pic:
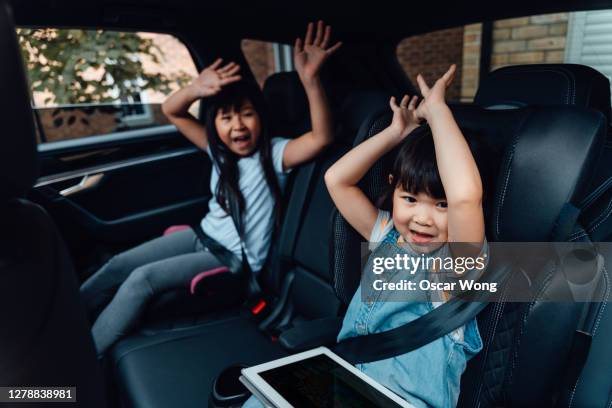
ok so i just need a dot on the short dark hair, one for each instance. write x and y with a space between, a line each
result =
415 168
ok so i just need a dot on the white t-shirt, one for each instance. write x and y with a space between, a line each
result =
258 217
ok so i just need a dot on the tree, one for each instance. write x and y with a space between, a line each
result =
83 66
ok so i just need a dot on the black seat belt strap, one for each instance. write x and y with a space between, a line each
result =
427 328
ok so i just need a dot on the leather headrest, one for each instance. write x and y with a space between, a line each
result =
545 84
287 104
546 164
18 156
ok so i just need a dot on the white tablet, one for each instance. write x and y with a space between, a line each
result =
317 378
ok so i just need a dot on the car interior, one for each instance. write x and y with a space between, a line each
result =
545 129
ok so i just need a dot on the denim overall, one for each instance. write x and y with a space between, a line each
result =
430 375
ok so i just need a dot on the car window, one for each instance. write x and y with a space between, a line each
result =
432 53
582 37
266 58
95 82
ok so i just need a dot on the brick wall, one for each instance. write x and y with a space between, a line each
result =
529 40
431 54
260 56
472 40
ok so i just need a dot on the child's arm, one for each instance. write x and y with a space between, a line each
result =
343 176
458 171
208 83
309 58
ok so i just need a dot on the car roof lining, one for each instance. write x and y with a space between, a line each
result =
382 20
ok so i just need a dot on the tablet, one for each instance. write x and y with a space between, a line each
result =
317 378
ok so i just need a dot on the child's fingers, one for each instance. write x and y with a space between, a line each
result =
230 79
308 39
404 102
449 75
334 48
319 33
228 68
297 48
326 37
232 71
412 104
422 85
393 104
216 64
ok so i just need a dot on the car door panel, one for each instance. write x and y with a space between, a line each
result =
107 197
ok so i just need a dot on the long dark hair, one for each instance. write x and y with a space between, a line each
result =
233 96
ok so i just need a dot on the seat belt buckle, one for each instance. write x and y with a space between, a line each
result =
258 307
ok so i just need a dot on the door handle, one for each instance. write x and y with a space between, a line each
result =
86 183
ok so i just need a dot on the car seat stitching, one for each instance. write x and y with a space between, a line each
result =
581 234
509 170
607 213
605 302
503 194
527 312
600 314
490 332
571 401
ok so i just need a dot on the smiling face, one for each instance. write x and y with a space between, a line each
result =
420 219
239 129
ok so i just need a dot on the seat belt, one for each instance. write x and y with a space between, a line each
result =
421 331
237 266
450 316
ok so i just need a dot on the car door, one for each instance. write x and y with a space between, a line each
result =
115 173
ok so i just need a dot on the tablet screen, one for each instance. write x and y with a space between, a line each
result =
321 382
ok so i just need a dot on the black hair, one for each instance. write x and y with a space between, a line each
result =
233 96
415 168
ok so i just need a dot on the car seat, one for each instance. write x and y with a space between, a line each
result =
177 367
577 85
527 346
45 340
562 84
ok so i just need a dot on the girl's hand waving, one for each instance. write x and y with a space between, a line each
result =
310 55
404 119
214 77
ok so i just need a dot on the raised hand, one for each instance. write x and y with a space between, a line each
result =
310 54
214 77
434 96
404 119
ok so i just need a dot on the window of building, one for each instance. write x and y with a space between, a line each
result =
266 58
94 82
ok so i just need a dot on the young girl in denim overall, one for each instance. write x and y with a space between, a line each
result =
435 192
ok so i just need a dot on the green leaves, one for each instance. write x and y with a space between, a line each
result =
84 66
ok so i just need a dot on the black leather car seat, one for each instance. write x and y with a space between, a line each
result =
159 368
526 345
570 84
562 84
44 339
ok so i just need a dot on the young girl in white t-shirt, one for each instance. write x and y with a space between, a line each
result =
248 168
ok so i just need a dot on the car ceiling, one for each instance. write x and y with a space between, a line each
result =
282 21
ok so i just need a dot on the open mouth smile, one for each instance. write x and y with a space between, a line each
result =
420 237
